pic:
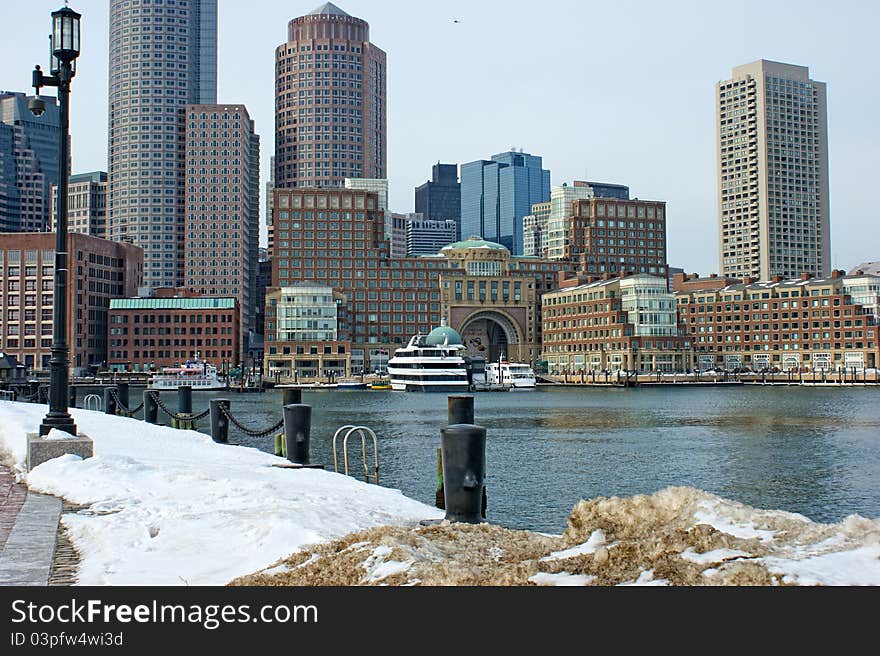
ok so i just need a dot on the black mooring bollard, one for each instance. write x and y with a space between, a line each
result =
110 400
291 396
464 472
184 400
122 395
219 422
297 432
71 396
151 408
461 410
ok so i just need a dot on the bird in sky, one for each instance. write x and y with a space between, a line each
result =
455 20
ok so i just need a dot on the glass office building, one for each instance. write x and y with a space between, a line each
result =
496 194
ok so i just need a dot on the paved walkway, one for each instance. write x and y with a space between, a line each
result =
28 533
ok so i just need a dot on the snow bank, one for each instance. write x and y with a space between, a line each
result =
170 507
678 536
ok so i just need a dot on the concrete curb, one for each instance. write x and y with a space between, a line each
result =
30 550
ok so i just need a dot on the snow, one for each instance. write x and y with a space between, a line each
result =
171 507
597 539
56 435
378 568
854 567
716 556
646 579
561 579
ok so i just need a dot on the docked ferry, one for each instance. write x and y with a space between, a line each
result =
197 375
430 363
511 375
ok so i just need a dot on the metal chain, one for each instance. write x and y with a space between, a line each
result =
248 431
177 415
115 394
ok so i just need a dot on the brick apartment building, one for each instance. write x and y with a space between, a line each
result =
171 327
614 324
785 324
100 271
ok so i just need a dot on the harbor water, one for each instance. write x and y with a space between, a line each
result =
813 451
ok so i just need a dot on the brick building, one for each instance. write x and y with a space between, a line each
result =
613 324
616 236
335 237
786 324
100 270
172 327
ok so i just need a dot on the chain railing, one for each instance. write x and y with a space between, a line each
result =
248 431
121 406
176 415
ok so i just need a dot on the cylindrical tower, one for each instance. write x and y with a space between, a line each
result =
160 60
330 102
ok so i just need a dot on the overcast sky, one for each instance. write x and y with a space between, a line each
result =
617 91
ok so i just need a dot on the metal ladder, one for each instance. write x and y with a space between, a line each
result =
363 431
93 398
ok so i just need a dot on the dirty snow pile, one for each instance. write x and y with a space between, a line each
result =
170 507
678 536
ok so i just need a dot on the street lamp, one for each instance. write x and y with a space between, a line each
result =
64 49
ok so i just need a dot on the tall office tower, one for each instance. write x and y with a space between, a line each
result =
163 56
439 199
497 194
330 102
773 172
86 204
561 211
222 203
28 163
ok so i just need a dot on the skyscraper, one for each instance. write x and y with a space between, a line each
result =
330 102
86 204
28 163
222 204
161 59
497 194
774 214
439 199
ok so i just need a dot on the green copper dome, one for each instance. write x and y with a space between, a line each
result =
443 335
475 242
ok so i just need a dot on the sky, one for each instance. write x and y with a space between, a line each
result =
618 91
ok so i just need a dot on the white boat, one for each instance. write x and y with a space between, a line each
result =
430 363
510 375
198 375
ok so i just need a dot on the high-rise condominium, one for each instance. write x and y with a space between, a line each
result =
330 108
163 56
773 172
223 206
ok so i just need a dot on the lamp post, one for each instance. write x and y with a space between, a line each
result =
65 48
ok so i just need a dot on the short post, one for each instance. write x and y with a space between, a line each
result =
291 396
185 400
122 396
219 422
151 408
71 394
297 432
110 400
280 451
461 410
464 470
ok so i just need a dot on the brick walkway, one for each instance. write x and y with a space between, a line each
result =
28 533
12 497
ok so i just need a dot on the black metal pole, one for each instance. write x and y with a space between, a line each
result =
58 416
464 472
460 410
291 396
297 432
151 408
219 422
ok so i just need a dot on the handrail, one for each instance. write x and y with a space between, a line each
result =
362 431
